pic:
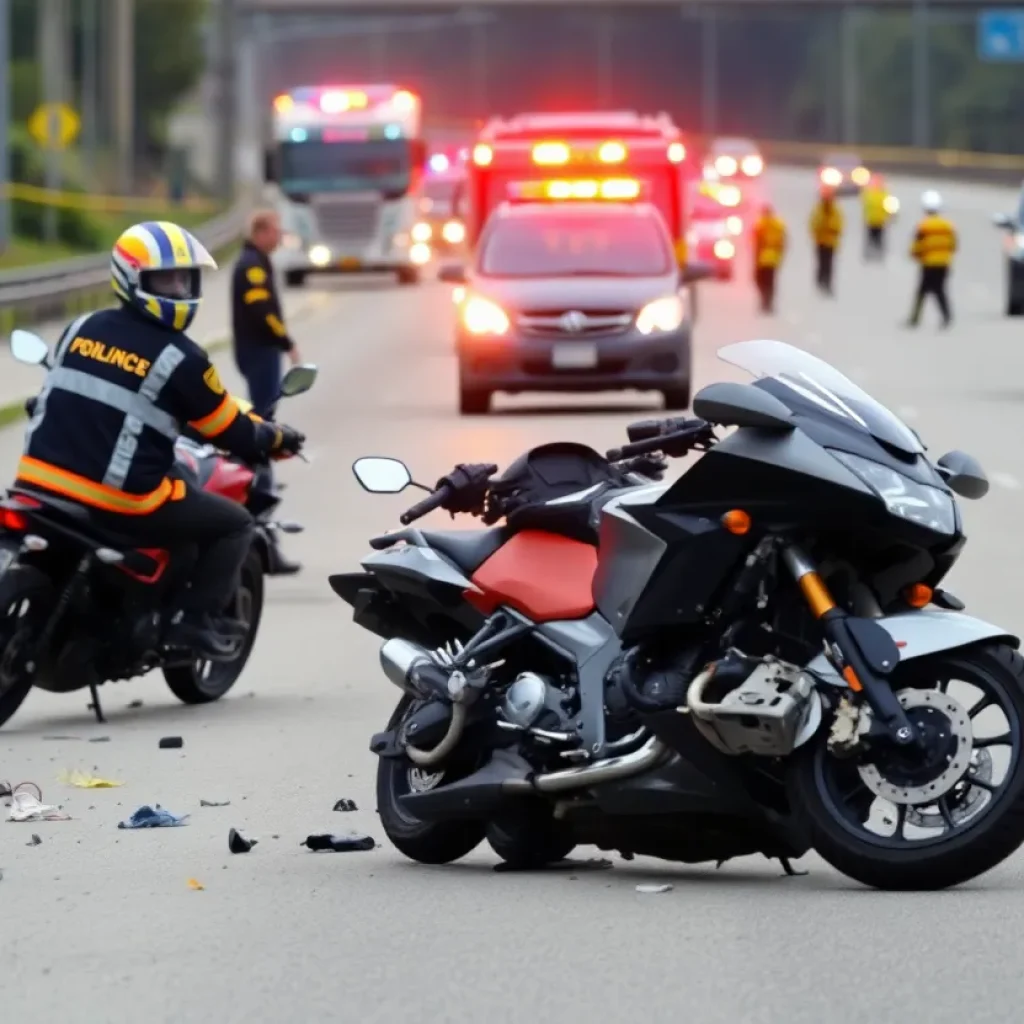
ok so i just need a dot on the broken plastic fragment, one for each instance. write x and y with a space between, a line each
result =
195 885
237 843
171 742
654 889
25 807
214 803
83 781
153 817
34 841
345 805
340 844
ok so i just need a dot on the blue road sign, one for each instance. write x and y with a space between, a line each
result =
1001 35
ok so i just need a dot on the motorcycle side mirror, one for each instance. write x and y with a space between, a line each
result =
29 348
298 380
963 474
382 476
453 273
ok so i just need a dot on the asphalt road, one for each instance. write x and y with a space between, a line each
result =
99 925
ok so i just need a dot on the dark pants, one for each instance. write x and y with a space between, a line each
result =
874 243
764 278
826 261
932 282
221 529
261 368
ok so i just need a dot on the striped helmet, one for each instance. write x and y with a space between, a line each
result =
157 267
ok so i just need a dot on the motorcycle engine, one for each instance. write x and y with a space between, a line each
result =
532 702
647 682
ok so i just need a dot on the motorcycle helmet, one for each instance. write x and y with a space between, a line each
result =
931 201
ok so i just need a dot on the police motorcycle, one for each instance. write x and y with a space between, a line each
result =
754 658
80 606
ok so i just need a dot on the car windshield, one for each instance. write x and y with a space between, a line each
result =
841 160
733 147
576 245
815 381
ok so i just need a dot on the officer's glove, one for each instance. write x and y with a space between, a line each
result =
288 442
468 485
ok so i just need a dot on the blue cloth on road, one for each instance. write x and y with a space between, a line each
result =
153 817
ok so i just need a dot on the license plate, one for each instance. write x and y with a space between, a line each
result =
577 356
349 262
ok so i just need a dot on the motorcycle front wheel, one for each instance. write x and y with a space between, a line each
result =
931 821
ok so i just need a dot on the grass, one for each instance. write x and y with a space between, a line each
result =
23 252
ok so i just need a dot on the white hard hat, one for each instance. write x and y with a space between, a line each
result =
931 201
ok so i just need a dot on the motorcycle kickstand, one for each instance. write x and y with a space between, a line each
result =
790 870
95 706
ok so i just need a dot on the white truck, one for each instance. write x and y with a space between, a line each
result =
345 170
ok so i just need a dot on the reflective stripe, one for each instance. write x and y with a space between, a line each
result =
275 325
128 440
256 295
219 420
71 485
62 346
124 400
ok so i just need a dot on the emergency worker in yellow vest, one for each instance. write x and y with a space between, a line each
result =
826 230
934 246
769 236
875 200
123 385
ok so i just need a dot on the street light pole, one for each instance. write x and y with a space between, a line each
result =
123 99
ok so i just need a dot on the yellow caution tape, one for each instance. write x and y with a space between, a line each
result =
101 204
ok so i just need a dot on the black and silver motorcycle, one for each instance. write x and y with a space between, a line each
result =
756 658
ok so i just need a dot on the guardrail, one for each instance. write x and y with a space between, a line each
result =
52 289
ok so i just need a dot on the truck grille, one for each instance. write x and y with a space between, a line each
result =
347 218
566 324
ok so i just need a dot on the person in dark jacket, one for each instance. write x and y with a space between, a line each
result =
123 383
257 322
260 336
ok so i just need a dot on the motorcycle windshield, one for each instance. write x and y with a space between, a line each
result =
825 387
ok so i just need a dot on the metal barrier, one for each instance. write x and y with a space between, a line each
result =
49 289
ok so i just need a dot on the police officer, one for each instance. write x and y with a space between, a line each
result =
934 245
124 382
875 200
826 230
769 246
257 321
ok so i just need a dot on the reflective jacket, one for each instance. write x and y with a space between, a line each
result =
121 389
935 242
256 317
875 213
769 241
826 225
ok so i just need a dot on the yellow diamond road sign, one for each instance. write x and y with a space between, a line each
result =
54 125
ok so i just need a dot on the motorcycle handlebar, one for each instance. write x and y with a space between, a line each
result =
428 504
674 444
646 430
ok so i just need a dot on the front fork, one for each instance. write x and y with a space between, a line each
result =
862 652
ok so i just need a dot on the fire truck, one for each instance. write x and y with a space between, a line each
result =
615 155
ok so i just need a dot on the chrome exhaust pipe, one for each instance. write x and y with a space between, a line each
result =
608 770
399 659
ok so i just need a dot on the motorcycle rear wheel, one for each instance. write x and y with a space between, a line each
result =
427 842
202 682
26 598
965 849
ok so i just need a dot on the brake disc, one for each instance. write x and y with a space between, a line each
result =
956 732
962 797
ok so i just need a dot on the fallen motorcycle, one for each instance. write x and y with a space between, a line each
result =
80 606
755 658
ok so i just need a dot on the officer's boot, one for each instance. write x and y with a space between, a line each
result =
214 639
279 565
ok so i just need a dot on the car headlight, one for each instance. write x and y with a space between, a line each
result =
453 232
422 232
726 166
724 249
752 166
665 314
481 316
319 255
919 503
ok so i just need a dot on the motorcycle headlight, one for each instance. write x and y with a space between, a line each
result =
661 315
918 503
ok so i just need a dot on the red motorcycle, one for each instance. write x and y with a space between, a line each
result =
80 606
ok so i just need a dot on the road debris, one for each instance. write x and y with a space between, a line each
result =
6 789
195 885
25 807
153 817
214 803
99 739
340 844
62 737
135 704
82 780
654 889
237 843
36 840
345 805
171 742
